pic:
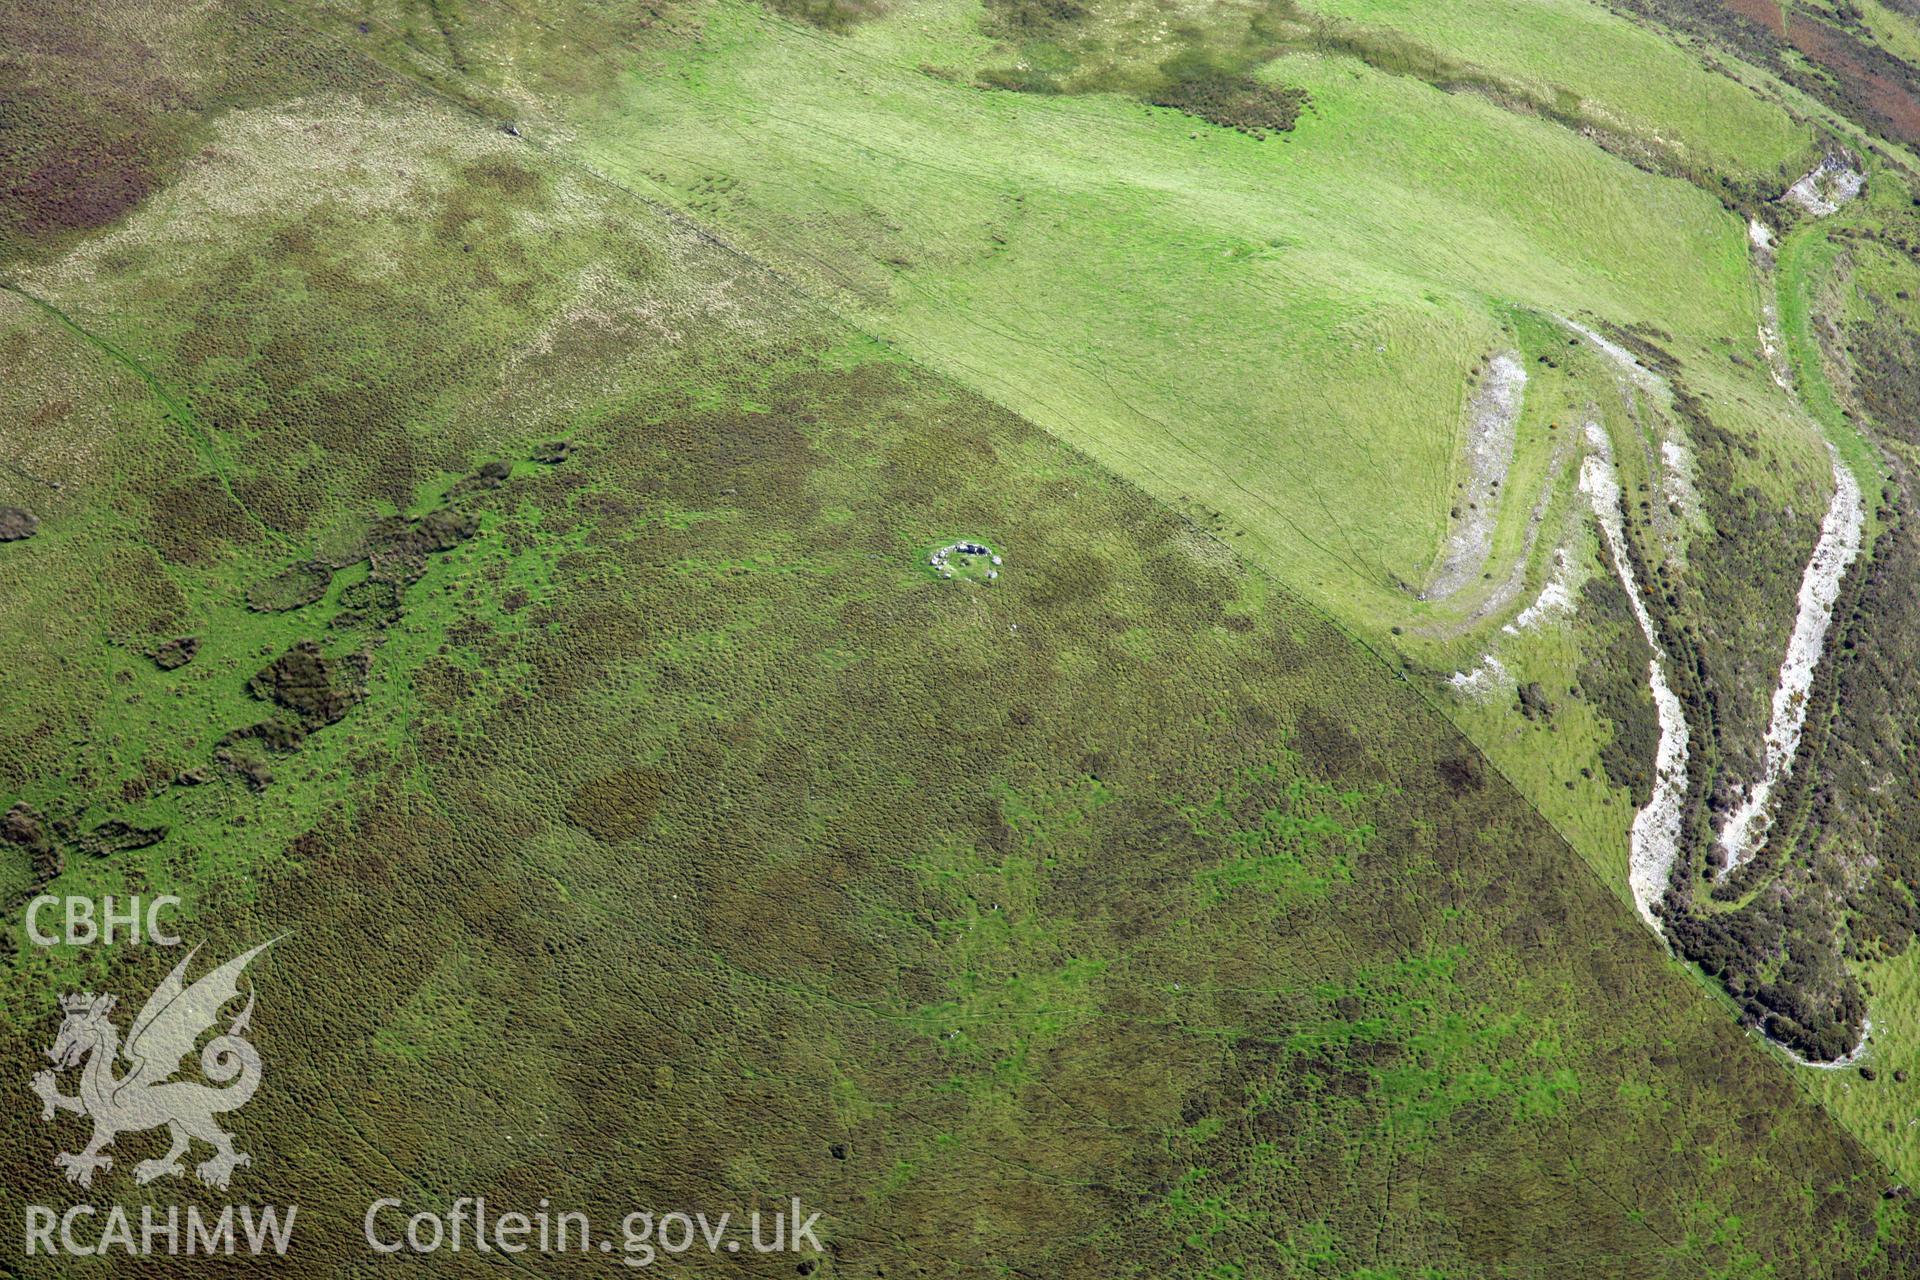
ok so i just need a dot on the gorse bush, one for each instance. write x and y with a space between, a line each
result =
829 15
1226 98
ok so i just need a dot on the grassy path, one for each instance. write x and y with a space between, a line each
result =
176 408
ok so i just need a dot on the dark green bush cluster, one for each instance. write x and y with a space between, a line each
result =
1230 99
829 15
1613 679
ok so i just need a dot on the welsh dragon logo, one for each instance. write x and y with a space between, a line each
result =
147 1096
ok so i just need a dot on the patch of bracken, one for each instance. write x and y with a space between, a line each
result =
1230 99
317 689
171 655
618 805
398 547
16 524
291 588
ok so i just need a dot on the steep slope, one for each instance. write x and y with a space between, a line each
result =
1263 260
652 827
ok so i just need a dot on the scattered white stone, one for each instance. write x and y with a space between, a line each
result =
965 547
1654 841
1680 493
1828 185
1621 357
1746 828
1493 417
1773 347
1483 679
1556 599
1847 1059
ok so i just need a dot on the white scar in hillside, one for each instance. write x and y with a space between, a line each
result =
1839 543
1492 420
1654 842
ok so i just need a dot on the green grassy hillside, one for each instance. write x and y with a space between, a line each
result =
1281 328
542 424
1260 259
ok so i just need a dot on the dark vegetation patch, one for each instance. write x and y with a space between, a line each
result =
1777 958
1613 679
1846 69
292 588
1105 47
1857 817
1462 774
1207 78
1643 342
115 836
1532 701
1885 357
16 524
313 690
1860 813
829 15
171 655
192 518
617 806
374 604
1329 748
1773 935
1201 87
25 828
93 122
1734 604
398 548
489 476
317 689
1837 877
